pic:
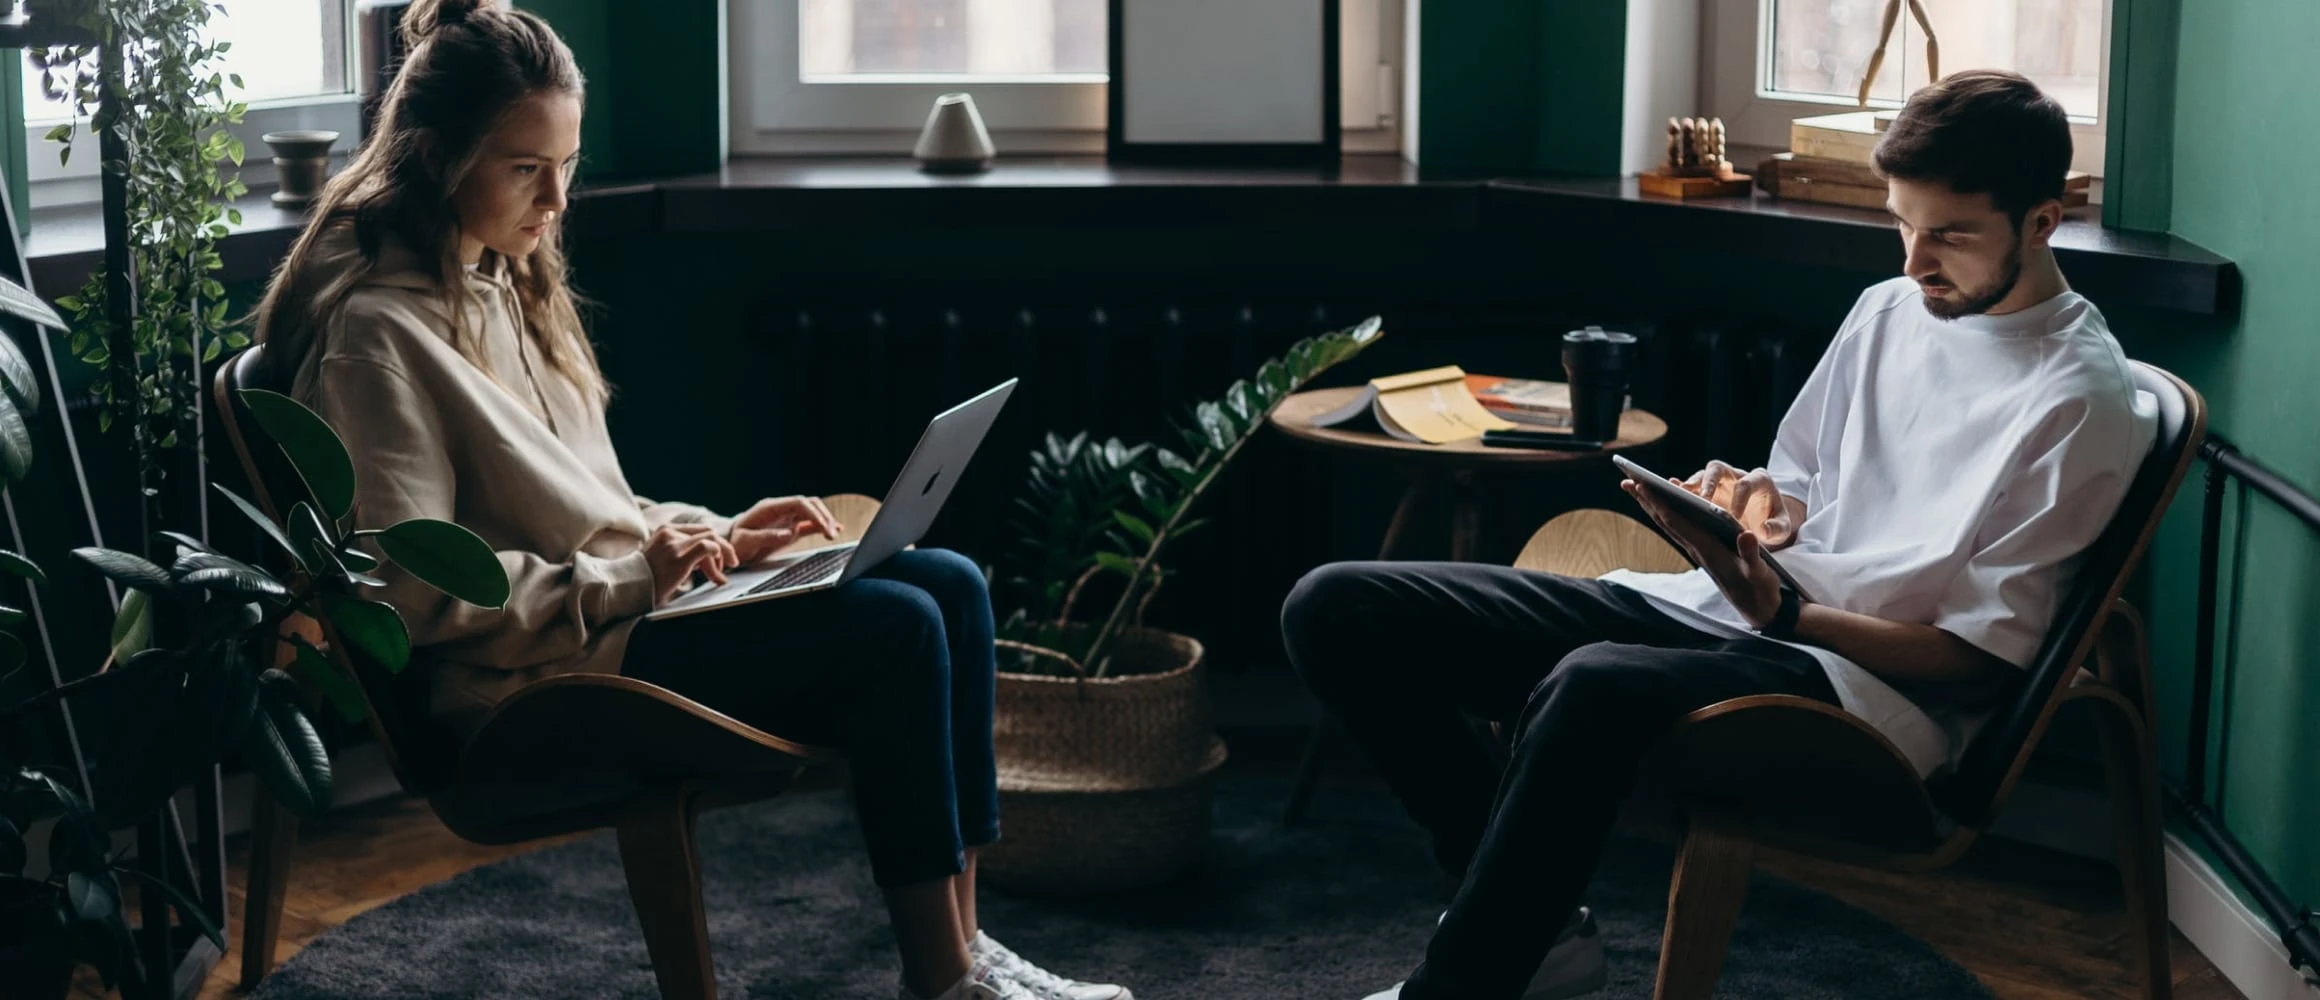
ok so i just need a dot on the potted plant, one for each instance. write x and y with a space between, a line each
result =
191 675
1105 745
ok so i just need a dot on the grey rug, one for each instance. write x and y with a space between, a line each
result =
1334 909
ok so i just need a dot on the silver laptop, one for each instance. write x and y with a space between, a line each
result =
910 507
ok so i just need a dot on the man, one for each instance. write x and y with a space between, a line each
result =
1970 430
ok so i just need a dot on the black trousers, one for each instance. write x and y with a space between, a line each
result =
1589 675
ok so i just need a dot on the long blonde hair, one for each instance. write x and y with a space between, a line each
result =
469 62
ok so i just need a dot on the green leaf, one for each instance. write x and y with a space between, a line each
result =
1178 468
60 133
93 897
189 542
1215 427
125 568
1117 563
1276 379
186 906
339 689
284 750
15 442
1242 404
356 560
448 558
10 618
16 565
133 626
1137 529
1156 500
16 372
69 303
314 449
264 523
227 575
371 627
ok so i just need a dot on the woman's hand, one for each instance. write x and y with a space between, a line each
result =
676 551
1749 497
778 521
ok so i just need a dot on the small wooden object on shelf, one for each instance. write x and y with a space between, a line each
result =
1695 167
1837 182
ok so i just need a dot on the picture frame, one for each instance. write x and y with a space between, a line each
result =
1223 82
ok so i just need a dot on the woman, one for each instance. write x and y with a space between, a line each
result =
424 314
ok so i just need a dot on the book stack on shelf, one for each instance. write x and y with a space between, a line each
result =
1830 159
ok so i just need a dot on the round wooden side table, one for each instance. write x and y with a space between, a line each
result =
1456 466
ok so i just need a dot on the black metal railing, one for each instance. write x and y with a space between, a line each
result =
2225 463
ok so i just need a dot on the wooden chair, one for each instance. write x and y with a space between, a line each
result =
565 754
1806 776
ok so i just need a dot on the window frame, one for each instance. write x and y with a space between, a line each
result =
54 184
771 112
1733 48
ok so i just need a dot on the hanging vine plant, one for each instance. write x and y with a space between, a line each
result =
172 114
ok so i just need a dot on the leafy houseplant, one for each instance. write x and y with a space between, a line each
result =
1094 509
171 116
189 669
1103 735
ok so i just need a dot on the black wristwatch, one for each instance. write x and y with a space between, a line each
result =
1783 623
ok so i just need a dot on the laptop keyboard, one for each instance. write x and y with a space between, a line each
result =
806 570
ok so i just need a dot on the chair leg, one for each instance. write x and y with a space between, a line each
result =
2140 846
1704 899
664 882
273 839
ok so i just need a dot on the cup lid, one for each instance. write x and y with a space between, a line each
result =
1597 333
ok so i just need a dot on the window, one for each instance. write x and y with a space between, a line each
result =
293 57
857 76
1774 60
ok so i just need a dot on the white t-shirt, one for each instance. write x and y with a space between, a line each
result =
1952 472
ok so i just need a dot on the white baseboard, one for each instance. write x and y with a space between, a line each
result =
2200 903
2237 939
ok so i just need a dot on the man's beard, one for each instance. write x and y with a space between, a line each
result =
2009 275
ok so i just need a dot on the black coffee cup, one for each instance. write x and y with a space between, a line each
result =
1597 361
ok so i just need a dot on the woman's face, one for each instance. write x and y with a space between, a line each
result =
515 190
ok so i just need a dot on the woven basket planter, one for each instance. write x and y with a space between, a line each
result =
1105 782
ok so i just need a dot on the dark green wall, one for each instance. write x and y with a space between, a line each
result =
2240 64
1512 86
652 97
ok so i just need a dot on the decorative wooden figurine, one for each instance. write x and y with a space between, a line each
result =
1695 167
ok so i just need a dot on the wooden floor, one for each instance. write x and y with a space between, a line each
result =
2032 923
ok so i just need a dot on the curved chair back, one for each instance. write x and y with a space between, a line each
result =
420 752
1972 794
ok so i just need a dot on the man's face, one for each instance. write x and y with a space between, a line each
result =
1963 251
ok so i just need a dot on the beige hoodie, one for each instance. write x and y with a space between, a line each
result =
523 460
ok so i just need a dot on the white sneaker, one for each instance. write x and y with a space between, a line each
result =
1574 967
1038 982
983 982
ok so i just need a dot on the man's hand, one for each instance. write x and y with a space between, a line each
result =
1751 498
1745 578
777 521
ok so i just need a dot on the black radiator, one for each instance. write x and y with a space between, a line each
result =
853 384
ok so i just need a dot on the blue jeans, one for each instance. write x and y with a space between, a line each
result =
896 668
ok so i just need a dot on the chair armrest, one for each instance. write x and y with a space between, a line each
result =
1796 764
564 744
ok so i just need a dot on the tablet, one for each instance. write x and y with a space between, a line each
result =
1718 522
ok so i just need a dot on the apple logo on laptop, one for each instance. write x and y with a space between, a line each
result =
929 487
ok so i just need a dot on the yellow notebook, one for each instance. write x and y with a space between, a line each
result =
1433 406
